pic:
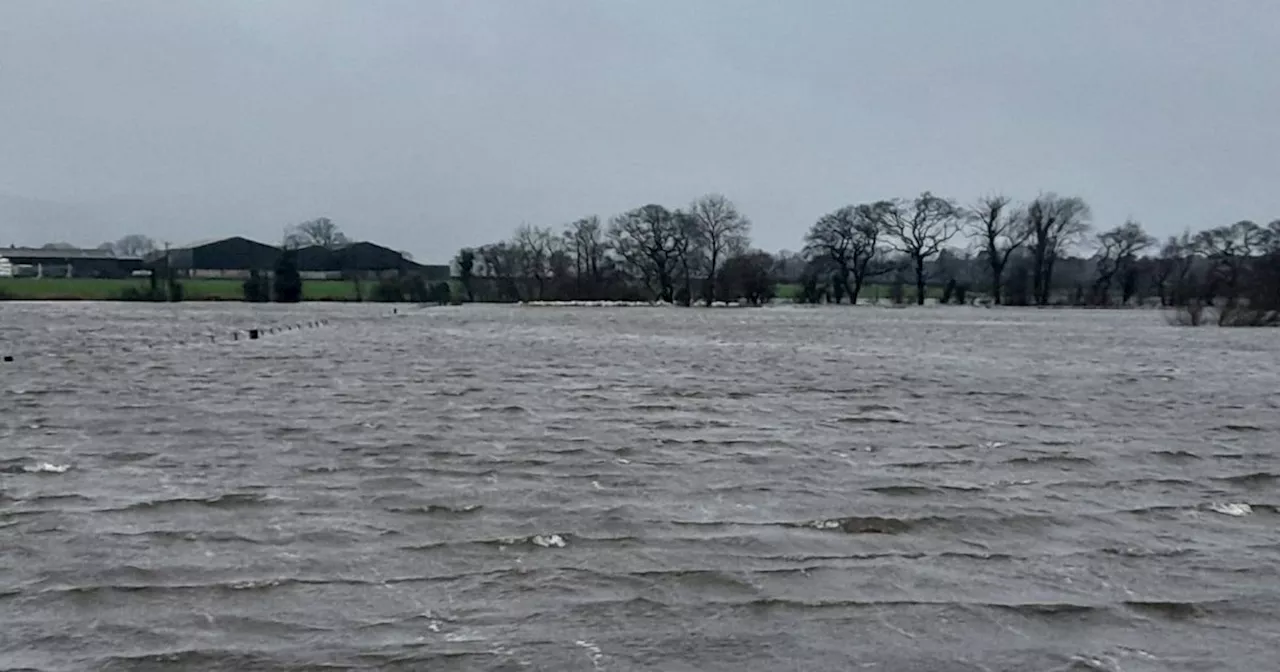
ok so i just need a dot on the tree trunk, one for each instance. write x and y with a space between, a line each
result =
1037 272
996 272
577 275
709 291
688 283
1047 282
919 281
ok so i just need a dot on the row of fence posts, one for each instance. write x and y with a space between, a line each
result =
253 334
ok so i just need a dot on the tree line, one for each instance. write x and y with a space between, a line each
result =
1043 252
699 253
1015 253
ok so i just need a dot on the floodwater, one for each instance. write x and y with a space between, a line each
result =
498 488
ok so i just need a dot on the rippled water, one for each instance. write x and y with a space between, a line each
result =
592 489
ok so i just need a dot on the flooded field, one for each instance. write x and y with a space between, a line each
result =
498 488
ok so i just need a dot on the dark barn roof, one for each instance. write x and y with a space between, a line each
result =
227 254
371 257
242 254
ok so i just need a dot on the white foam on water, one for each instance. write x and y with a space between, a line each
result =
1230 509
593 652
548 540
47 468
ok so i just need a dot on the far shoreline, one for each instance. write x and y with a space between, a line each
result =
225 290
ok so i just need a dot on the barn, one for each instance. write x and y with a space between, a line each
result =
236 257
231 257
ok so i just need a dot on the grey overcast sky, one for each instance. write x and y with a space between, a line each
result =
427 125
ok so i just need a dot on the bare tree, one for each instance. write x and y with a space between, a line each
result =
691 254
321 231
1242 281
920 229
1230 251
132 245
848 242
466 264
502 263
722 230
868 258
585 241
536 246
1170 268
1056 224
1001 230
830 243
648 241
1117 253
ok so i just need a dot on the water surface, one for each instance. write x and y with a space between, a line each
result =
498 488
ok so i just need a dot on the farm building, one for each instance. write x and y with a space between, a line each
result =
231 257
65 263
236 257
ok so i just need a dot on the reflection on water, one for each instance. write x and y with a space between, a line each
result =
620 489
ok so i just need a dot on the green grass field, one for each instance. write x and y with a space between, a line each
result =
203 289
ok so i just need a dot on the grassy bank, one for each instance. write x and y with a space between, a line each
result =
204 289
